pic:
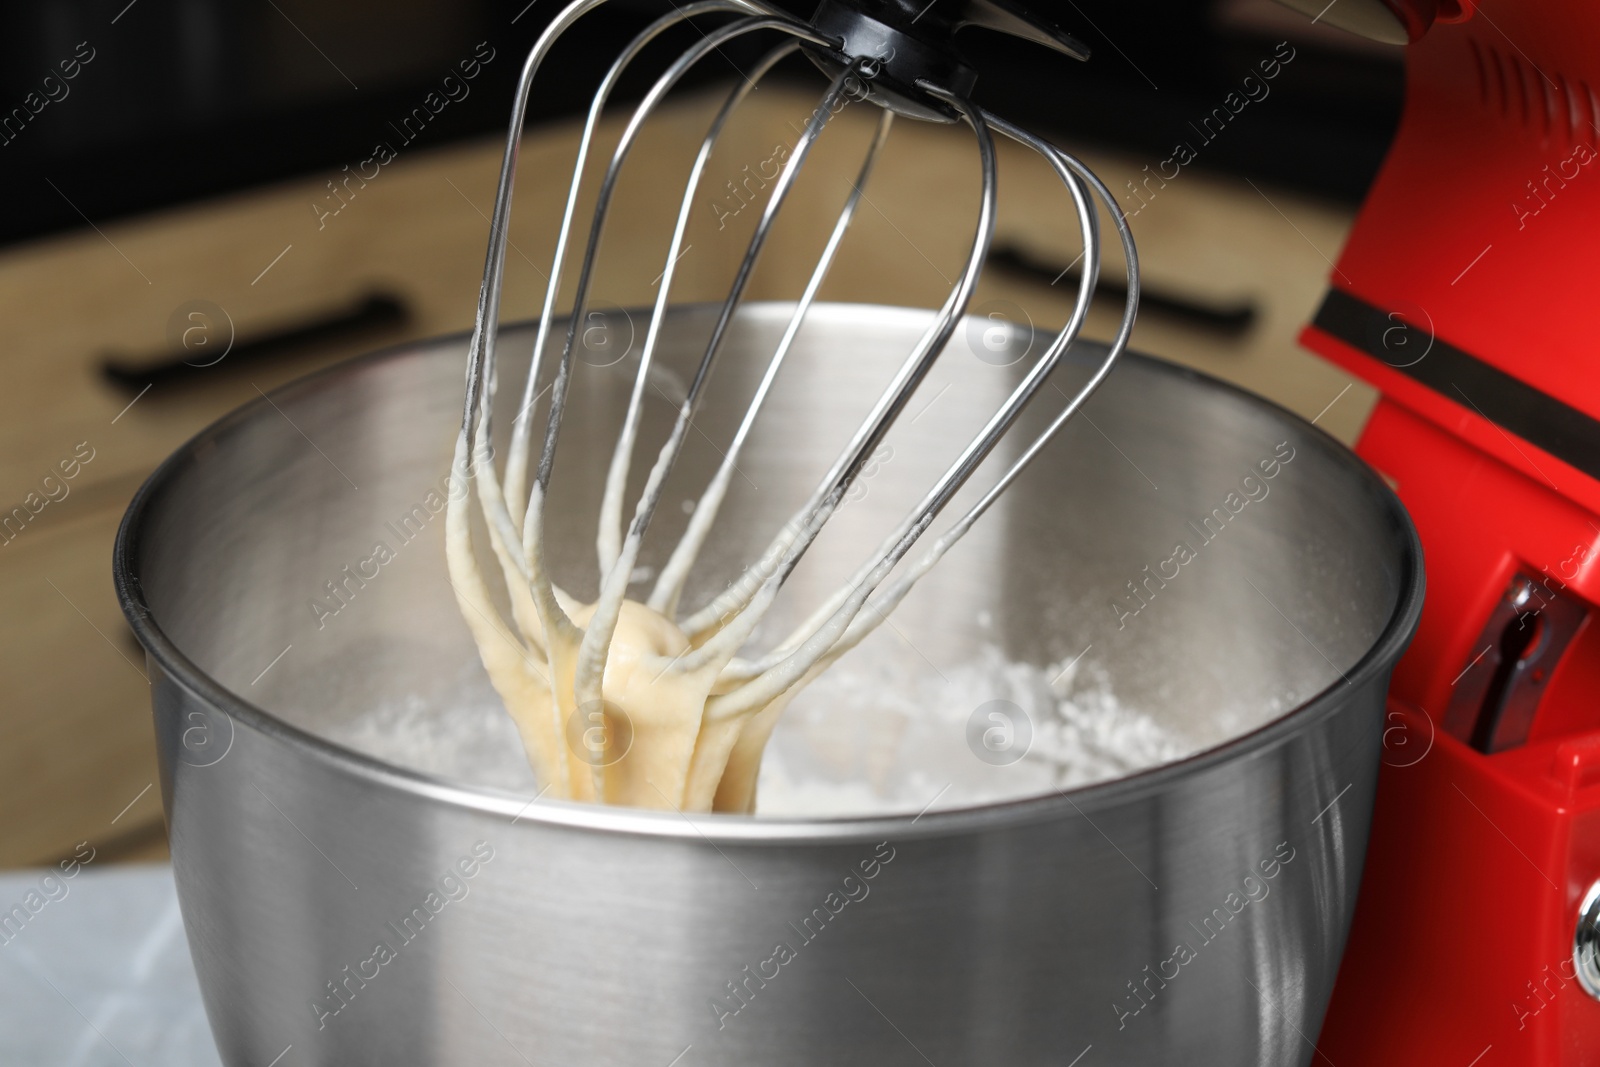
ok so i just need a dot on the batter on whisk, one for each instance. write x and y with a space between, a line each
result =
635 702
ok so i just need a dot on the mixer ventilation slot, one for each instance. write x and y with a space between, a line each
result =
1543 101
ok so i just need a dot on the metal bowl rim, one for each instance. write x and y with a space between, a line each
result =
743 829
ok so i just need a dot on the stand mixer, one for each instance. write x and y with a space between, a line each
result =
1465 294
1502 769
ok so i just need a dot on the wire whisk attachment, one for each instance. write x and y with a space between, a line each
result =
650 703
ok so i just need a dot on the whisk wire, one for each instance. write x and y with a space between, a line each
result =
669 585
597 637
971 457
474 455
1071 171
517 460
551 611
796 535
536 606
608 538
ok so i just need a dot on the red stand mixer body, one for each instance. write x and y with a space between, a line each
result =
1467 294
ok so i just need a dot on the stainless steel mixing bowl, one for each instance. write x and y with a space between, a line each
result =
353 912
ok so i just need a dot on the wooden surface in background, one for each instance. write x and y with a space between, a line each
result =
77 761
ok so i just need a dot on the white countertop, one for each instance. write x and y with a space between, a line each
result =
99 974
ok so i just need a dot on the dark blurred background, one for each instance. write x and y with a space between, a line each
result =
190 98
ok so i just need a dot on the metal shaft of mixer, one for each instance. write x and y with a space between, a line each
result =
719 629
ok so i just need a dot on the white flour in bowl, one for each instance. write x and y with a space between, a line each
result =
864 738
874 734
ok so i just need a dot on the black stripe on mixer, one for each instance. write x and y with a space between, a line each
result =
1515 406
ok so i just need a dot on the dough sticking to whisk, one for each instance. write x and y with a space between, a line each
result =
635 704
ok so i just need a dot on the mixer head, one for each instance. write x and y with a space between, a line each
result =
904 59
912 44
